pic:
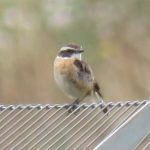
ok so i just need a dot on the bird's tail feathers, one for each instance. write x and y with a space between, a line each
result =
98 94
96 89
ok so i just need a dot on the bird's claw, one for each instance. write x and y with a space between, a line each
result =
74 106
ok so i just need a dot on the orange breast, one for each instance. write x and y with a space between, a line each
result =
66 67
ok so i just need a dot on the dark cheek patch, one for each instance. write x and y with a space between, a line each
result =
65 54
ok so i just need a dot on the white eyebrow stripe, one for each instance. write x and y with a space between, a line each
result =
65 48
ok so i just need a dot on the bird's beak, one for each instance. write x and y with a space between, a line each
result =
81 50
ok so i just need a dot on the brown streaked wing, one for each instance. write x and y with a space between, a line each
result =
84 70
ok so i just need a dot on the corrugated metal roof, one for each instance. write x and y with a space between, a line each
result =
44 127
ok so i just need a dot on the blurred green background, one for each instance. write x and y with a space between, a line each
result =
114 33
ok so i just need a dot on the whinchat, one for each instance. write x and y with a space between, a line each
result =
73 75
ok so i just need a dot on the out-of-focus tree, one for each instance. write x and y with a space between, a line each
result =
114 33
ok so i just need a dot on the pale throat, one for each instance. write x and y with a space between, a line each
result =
78 56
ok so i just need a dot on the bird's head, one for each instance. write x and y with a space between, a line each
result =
71 51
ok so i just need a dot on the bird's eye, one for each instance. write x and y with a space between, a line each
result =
70 51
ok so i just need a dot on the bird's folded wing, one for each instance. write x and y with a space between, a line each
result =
84 71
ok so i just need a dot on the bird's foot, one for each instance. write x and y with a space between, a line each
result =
74 106
104 109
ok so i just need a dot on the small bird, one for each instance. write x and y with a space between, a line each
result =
74 76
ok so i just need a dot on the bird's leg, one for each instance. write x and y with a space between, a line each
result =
76 102
73 105
82 98
100 99
98 96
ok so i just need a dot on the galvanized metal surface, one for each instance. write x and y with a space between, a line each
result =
130 134
44 127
